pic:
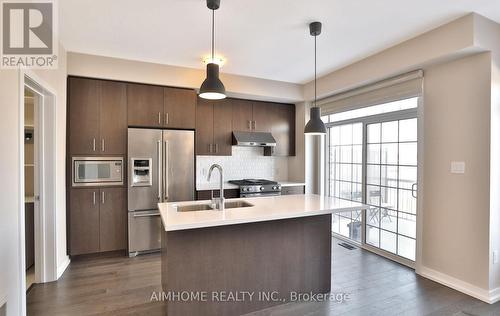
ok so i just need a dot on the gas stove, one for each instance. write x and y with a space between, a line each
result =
257 187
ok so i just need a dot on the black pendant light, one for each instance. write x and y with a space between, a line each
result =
212 88
315 126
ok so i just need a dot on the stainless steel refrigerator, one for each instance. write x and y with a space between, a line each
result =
160 169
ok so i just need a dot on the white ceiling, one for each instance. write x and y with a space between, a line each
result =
259 38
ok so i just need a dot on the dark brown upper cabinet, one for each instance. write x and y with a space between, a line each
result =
155 106
179 108
83 115
276 118
113 118
282 117
214 127
242 114
263 117
97 117
204 127
223 128
145 105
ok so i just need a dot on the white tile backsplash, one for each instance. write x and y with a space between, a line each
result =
245 163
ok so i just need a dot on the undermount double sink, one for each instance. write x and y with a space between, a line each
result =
209 207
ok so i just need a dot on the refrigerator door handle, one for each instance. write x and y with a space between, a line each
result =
165 172
158 147
146 214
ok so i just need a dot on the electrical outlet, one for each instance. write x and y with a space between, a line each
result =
457 167
495 256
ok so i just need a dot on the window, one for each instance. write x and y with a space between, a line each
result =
345 175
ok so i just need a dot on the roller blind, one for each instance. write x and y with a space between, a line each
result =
397 88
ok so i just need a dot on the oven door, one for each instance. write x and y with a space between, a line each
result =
97 171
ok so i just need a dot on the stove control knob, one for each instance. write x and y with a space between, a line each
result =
275 187
262 188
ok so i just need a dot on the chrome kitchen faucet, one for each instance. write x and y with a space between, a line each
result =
219 202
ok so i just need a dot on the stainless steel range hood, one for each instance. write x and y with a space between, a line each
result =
254 139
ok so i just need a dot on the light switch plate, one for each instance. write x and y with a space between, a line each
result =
457 167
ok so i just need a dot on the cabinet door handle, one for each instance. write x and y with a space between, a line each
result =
93 144
93 197
159 118
216 148
102 145
102 197
166 118
210 148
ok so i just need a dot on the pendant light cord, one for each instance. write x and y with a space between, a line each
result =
315 72
213 34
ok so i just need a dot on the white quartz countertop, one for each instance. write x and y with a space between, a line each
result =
227 185
263 209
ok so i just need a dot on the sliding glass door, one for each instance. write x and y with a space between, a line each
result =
373 159
391 180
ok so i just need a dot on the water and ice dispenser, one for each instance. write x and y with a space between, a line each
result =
142 172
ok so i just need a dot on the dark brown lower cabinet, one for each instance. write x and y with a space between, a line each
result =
207 194
112 219
296 189
97 220
84 221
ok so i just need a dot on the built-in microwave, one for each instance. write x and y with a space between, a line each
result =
97 171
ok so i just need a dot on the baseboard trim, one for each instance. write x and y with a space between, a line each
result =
495 295
63 267
489 297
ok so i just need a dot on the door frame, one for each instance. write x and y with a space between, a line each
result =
396 115
45 157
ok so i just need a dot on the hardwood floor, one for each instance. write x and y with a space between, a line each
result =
101 286
375 286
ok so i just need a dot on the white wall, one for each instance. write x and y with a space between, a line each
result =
10 191
245 163
456 206
489 36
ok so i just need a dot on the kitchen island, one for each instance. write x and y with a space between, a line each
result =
257 253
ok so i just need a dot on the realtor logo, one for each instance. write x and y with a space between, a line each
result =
28 35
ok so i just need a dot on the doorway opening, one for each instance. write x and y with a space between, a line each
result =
31 187
37 211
